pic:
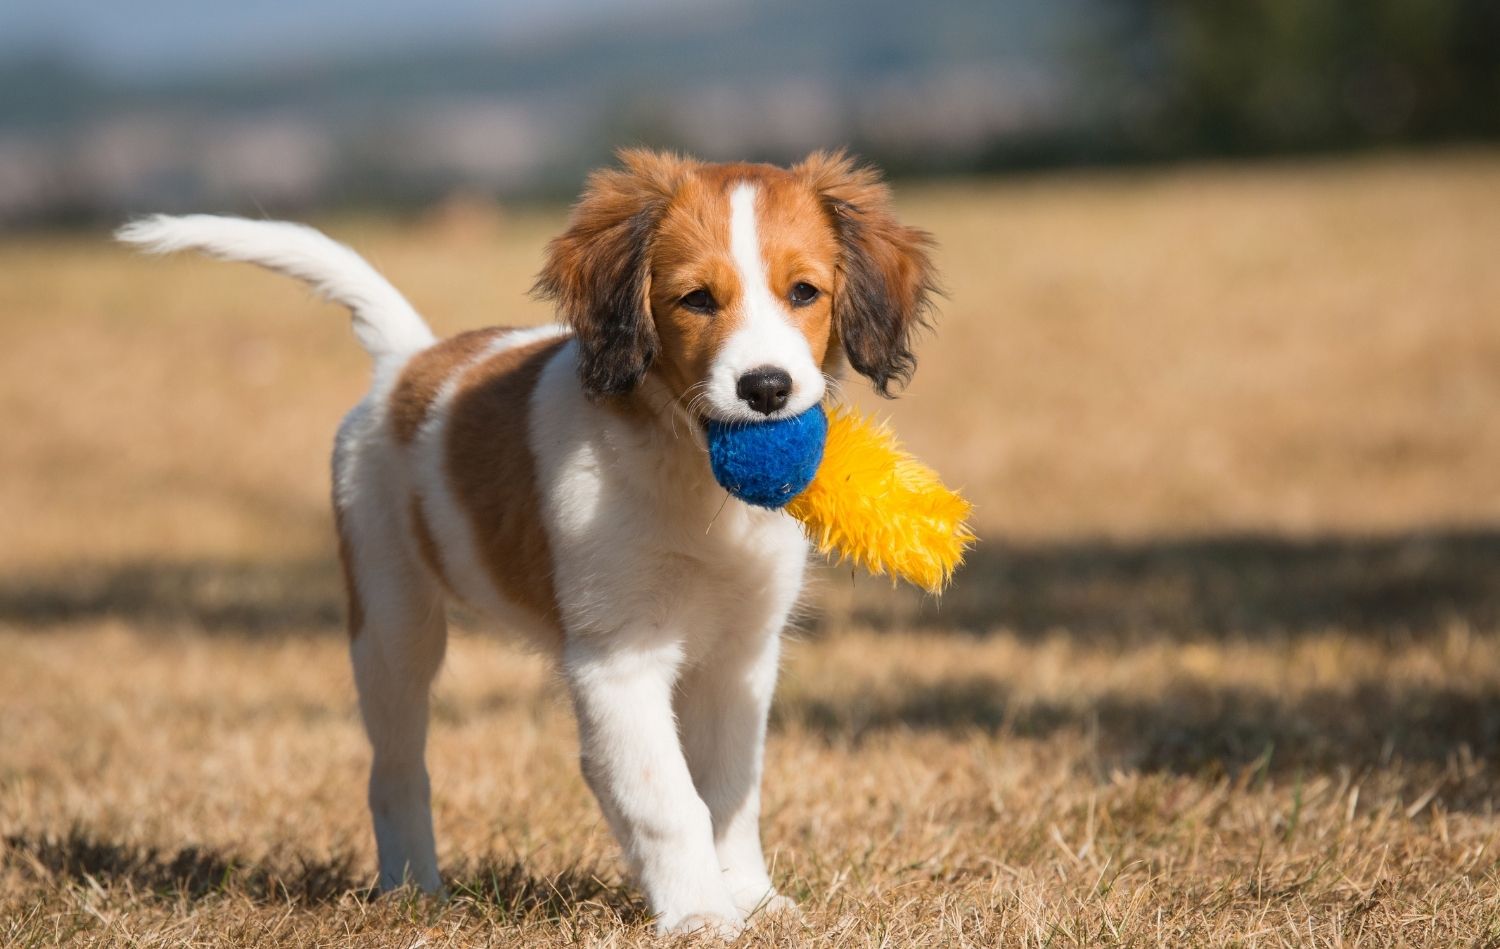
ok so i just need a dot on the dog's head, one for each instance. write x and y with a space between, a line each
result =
739 285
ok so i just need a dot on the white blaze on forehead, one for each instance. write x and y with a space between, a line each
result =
744 247
766 335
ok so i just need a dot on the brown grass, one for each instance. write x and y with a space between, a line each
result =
1224 670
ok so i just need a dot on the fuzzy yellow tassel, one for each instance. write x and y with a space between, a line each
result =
873 504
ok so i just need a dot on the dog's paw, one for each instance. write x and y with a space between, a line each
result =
776 907
412 890
702 924
757 899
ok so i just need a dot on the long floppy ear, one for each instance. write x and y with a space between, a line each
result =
885 276
599 270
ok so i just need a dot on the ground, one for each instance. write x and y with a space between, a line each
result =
1224 668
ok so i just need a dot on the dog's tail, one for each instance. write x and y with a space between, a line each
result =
384 322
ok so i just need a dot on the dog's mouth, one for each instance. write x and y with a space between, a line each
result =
708 417
730 413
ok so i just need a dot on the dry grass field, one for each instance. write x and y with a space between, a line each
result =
1225 669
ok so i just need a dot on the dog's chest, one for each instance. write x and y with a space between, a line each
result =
641 530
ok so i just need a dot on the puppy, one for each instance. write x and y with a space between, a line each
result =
557 479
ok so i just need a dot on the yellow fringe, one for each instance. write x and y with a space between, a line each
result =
874 505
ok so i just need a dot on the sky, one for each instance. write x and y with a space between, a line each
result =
157 38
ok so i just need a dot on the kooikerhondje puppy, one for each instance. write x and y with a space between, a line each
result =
556 478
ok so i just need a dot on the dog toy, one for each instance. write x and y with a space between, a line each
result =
768 463
859 496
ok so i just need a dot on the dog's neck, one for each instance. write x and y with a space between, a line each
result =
660 413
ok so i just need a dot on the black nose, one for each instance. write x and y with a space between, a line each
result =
765 389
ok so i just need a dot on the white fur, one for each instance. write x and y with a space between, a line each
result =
385 323
766 336
672 599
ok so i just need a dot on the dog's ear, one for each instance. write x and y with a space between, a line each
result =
885 277
599 270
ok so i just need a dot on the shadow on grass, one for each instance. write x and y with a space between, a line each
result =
190 873
249 599
194 873
1197 729
1245 584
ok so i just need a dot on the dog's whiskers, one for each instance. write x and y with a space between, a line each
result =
834 387
695 393
715 518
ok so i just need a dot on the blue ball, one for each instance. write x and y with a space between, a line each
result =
768 463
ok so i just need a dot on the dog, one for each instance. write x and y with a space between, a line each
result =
557 479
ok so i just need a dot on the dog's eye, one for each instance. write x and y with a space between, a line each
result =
803 293
700 300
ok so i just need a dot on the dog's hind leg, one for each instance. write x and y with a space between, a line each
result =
398 636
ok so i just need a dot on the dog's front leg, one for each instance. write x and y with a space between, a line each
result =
722 705
632 759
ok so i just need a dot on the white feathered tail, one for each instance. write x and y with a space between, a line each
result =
385 324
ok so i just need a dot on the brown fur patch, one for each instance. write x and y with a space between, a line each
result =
423 377
355 606
885 274
798 245
599 269
691 251
493 475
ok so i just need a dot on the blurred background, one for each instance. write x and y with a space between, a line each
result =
1218 363
290 105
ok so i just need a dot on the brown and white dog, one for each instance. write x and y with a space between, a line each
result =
556 478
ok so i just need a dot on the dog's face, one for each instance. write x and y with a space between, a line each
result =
739 286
